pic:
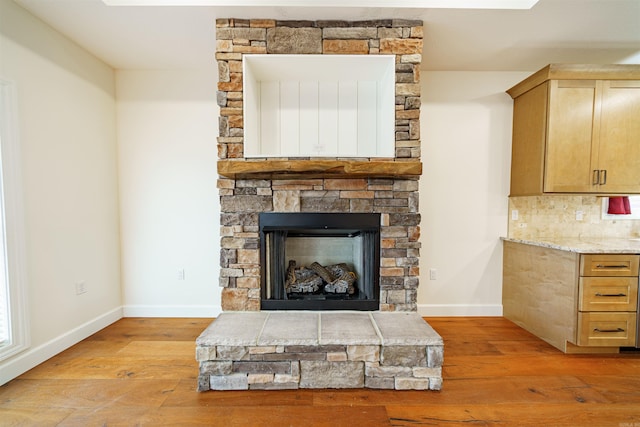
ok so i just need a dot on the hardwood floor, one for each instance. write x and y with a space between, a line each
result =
143 372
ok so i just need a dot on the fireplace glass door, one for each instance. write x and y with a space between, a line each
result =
320 261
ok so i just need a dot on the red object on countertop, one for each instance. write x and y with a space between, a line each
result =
619 206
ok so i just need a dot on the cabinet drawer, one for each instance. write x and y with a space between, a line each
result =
609 265
608 294
607 329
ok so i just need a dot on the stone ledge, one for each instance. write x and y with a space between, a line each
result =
331 349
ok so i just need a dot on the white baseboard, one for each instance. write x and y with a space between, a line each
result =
31 358
458 310
445 310
171 310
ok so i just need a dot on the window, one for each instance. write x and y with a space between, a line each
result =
634 202
4 295
13 317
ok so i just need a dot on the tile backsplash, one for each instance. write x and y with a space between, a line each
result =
556 216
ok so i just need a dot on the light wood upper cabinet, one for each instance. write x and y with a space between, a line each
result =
619 145
576 129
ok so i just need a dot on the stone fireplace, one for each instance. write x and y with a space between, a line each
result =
386 186
319 253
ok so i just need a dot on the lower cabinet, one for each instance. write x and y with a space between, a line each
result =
579 303
607 300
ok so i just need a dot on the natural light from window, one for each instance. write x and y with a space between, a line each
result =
4 302
634 202
14 333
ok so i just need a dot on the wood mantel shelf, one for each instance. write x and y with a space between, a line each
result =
294 169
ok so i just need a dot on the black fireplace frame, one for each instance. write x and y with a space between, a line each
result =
321 224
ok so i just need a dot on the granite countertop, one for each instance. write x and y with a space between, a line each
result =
585 245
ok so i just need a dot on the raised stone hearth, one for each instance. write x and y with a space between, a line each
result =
309 349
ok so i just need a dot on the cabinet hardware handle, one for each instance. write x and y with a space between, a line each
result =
608 330
603 175
596 177
611 266
598 294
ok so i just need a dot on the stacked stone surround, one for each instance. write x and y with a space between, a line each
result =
243 199
236 37
291 350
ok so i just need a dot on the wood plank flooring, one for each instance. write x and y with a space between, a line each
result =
143 372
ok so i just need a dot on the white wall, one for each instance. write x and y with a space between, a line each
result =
167 130
169 205
66 129
466 154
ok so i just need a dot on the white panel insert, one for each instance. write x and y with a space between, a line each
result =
309 110
327 119
367 118
269 122
319 105
290 117
348 119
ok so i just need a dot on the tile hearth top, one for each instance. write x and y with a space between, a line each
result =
261 328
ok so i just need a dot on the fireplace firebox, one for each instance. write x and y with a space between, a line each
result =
320 261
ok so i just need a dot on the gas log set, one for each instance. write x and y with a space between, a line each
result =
319 279
319 261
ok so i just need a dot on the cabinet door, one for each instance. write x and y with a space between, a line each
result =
569 154
529 135
619 136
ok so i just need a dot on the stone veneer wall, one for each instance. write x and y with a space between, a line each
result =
242 199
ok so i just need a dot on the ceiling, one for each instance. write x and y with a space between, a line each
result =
553 31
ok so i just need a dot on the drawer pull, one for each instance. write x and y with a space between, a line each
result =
598 294
608 330
611 266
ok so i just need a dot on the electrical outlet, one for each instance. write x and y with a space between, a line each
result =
579 215
433 274
81 287
180 274
514 214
